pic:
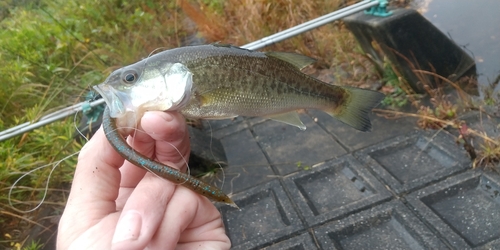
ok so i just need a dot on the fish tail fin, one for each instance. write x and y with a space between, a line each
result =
355 109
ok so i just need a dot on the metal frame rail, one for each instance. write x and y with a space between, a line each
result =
280 36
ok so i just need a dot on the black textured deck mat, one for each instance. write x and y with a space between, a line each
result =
387 226
287 146
408 162
382 129
247 164
266 215
301 242
464 209
334 189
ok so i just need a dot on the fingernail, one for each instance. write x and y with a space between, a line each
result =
163 115
167 117
128 227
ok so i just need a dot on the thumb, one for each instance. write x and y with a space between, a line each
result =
94 189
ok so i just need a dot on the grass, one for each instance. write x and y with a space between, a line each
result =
51 63
331 44
443 110
52 52
442 107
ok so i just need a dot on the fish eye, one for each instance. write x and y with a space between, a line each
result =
129 77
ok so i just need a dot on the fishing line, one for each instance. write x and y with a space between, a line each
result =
135 131
426 146
63 78
213 156
188 171
78 129
153 52
46 185
74 36
45 190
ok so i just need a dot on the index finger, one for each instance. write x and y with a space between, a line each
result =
171 136
164 138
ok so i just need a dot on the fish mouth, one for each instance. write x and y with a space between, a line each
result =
115 105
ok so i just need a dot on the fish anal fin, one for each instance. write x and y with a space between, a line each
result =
290 118
297 60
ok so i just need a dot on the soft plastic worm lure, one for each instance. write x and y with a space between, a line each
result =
169 173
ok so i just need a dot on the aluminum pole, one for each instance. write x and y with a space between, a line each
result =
58 115
315 23
280 36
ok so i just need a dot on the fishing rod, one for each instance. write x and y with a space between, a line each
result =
312 24
261 43
52 117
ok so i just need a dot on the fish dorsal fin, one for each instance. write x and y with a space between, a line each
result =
230 46
297 60
290 118
218 44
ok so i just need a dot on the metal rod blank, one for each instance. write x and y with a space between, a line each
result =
280 36
309 25
58 115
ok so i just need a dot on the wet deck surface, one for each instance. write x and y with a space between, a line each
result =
332 187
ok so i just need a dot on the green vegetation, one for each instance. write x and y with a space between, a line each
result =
33 245
302 166
395 87
51 53
443 111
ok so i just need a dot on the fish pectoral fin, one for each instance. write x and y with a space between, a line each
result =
290 118
206 98
297 60
211 96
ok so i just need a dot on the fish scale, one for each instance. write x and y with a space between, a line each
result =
262 89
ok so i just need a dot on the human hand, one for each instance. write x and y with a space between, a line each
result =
116 205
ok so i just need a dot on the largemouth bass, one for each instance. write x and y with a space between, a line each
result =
222 81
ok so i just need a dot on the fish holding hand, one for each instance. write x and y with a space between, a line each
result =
217 82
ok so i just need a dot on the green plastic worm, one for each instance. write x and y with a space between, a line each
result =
169 173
